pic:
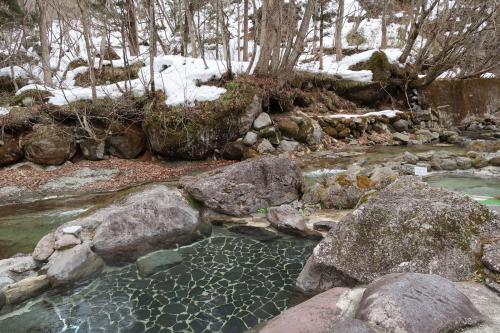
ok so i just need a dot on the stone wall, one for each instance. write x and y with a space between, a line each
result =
458 100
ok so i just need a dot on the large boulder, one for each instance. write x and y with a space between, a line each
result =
245 187
413 302
126 141
49 145
315 315
153 219
10 150
45 247
74 265
406 227
196 132
287 219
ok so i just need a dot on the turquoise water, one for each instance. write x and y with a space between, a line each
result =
474 186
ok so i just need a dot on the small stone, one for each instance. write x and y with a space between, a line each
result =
264 147
155 261
464 163
323 225
404 138
5 281
66 241
410 158
74 230
23 265
494 161
263 120
286 145
250 138
286 219
401 125
45 247
448 164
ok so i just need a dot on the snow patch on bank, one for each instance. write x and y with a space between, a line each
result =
387 113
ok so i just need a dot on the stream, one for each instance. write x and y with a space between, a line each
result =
225 283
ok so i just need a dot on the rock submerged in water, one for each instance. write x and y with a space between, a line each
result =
413 302
243 188
406 227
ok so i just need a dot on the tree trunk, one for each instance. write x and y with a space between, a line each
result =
88 46
131 24
245 30
190 25
338 30
152 43
383 43
299 44
44 41
225 39
321 32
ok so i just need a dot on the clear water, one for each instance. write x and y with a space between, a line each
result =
473 186
22 226
226 283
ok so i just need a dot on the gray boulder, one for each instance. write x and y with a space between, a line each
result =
74 265
26 289
287 219
49 145
245 187
491 256
264 146
406 227
250 138
262 120
156 218
401 125
404 138
415 302
45 247
17 268
352 326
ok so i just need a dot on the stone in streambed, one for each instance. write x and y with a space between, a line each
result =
286 219
66 241
74 265
246 187
263 120
26 289
491 256
155 261
45 247
413 302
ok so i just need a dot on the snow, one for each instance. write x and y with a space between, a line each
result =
179 77
387 113
341 68
4 110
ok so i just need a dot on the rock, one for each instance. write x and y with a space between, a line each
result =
310 132
126 141
401 125
272 134
264 146
153 219
45 247
74 265
243 188
286 219
66 241
93 149
5 282
341 197
26 289
250 138
288 128
286 145
16 268
72 230
404 138
234 150
491 256
155 261
352 326
410 158
463 163
407 226
383 175
205 129
448 164
2 299
315 315
486 302
495 161
413 302
263 120
323 225
49 145
10 150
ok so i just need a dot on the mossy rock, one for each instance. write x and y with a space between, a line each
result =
7 84
195 132
109 74
378 64
31 97
49 144
20 119
288 128
355 38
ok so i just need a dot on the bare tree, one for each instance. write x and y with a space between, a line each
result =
339 24
383 43
44 41
245 30
88 45
131 28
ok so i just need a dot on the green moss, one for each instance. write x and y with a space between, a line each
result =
38 97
